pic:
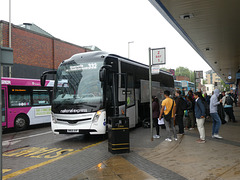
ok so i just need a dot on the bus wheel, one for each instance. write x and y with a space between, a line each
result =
21 123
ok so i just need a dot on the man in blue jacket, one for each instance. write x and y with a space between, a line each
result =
200 116
214 114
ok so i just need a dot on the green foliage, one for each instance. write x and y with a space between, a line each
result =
182 71
224 87
164 69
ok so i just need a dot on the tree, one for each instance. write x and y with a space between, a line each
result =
204 81
224 87
164 69
182 71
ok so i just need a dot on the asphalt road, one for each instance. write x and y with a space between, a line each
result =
37 145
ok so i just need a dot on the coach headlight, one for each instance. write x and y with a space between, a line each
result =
54 119
97 115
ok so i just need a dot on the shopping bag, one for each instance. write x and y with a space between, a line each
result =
160 121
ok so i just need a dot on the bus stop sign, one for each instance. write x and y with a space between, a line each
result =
159 56
6 56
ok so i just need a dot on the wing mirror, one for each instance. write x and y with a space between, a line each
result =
103 72
44 76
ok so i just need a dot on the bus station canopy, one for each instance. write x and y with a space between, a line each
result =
212 28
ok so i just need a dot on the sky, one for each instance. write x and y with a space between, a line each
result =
108 24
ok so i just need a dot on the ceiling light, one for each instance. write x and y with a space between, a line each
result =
186 16
207 49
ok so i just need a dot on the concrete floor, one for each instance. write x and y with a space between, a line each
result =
217 159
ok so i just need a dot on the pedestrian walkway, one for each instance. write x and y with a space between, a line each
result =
158 159
182 159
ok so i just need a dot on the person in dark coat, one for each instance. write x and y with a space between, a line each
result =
156 112
179 111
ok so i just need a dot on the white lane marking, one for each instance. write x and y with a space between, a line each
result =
26 137
7 143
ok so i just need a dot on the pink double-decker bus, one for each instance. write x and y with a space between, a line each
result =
25 102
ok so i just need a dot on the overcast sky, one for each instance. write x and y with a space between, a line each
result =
109 25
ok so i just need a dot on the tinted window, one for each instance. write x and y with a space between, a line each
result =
19 97
41 97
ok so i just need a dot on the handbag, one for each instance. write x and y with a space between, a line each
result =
168 116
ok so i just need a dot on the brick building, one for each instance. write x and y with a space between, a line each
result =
182 78
34 50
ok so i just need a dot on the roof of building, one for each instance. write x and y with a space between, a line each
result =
93 48
35 28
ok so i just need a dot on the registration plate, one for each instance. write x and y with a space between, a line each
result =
73 130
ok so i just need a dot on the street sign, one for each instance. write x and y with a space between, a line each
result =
198 80
155 69
199 74
159 56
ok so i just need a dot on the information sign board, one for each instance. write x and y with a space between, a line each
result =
155 69
159 56
199 74
198 80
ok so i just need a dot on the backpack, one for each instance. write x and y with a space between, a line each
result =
229 100
189 105
207 108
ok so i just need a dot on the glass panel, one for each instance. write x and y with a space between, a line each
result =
19 100
3 106
41 97
78 83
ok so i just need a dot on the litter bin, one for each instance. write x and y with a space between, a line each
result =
118 135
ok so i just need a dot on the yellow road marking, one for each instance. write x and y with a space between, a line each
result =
119 128
37 152
122 144
22 171
6 170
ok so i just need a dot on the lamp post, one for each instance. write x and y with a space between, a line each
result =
129 48
10 33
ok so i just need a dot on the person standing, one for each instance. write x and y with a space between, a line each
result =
191 95
214 114
179 111
183 91
168 110
190 123
227 102
200 117
156 112
235 99
234 96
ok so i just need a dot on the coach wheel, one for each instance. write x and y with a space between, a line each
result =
21 123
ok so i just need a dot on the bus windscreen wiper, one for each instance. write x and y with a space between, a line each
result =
86 104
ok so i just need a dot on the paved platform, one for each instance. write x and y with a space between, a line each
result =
158 159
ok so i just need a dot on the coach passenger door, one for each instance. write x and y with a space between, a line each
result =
4 107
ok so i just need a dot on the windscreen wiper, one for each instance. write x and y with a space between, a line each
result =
86 104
